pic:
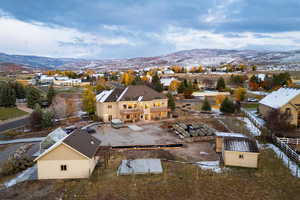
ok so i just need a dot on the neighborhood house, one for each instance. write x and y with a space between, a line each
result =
133 103
287 100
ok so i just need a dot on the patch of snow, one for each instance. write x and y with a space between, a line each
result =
210 165
28 174
287 162
251 127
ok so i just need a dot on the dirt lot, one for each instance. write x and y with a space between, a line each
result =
151 134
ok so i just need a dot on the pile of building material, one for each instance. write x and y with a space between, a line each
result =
192 129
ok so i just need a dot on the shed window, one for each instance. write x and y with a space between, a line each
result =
63 167
241 156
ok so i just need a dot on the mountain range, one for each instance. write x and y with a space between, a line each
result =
206 57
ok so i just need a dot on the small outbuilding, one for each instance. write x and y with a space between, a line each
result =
74 156
221 135
240 152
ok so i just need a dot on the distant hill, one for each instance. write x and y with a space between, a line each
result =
206 57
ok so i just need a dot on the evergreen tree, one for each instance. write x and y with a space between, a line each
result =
33 97
50 94
221 84
7 95
47 119
206 105
20 90
171 102
227 106
181 88
156 84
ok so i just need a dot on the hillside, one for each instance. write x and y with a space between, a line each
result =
206 57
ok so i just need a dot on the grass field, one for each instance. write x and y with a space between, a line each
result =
9 113
272 180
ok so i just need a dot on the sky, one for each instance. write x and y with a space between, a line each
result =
105 29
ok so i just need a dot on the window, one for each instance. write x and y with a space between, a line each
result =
288 111
109 106
241 156
109 117
130 107
63 168
128 116
125 106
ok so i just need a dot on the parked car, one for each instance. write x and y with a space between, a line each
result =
117 123
252 100
90 130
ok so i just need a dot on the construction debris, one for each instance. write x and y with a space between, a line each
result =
192 129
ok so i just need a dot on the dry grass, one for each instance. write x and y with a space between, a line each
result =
184 181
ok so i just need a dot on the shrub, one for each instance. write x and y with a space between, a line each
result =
227 106
206 105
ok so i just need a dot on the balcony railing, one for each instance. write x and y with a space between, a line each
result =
159 109
131 111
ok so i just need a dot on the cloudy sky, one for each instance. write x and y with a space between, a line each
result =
133 28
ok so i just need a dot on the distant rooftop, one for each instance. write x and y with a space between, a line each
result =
280 97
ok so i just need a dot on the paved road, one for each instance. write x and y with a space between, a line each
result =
24 140
14 124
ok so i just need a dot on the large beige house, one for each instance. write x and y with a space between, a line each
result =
130 104
285 100
74 156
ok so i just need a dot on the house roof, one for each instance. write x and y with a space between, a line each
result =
83 142
280 97
80 141
240 144
130 93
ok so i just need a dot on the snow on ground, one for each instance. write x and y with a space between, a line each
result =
28 174
287 162
254 116
250 126
210 165
258 92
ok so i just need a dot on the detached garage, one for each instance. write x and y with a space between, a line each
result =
74 156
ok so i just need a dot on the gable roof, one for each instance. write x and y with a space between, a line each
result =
83 142
280 97
79 141
130 93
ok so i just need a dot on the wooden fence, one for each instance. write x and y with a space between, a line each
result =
294 156
282 143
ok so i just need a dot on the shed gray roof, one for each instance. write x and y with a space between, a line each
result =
240 144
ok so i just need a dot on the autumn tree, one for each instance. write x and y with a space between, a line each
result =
127 78
174 85
219 99
240 94
89 100
254 83
36 117
70 107
101 85
221 84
